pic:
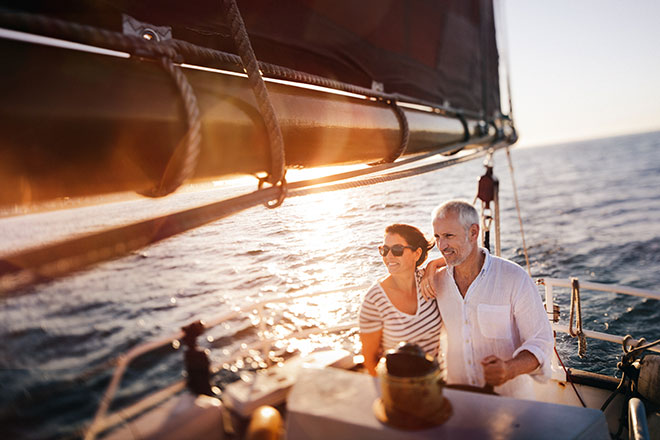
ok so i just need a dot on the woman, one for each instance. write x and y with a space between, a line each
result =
393 309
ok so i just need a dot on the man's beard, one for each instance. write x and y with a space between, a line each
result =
458 257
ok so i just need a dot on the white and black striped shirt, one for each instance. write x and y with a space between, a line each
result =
423 328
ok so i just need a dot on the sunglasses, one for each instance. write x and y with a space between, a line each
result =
397 249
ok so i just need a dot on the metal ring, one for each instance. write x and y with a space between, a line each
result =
272 204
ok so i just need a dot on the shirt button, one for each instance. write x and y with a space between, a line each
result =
469 362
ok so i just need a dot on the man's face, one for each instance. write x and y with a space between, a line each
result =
453 240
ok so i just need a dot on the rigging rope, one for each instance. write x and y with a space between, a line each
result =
249 61
515 198
576 304
58 259
91 35
569 378
182 163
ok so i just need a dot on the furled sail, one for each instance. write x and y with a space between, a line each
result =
80 123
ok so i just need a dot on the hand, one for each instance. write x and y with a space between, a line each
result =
426 284
496 371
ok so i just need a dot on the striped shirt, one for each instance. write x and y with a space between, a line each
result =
423 328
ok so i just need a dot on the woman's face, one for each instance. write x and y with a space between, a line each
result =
404 263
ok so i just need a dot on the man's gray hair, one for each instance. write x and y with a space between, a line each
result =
467 214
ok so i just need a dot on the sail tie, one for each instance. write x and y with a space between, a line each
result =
576 305
183 161
249 60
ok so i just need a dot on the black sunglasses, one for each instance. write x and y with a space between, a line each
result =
397 249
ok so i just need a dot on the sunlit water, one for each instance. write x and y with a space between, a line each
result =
591 209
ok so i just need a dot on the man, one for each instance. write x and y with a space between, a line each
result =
497 330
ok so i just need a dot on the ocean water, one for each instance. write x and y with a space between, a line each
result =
591 209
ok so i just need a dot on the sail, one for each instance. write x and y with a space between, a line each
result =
441 51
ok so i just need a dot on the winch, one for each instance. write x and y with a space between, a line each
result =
411 390
648 381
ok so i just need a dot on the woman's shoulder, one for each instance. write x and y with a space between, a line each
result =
374 291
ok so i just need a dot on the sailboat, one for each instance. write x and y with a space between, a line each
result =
112 96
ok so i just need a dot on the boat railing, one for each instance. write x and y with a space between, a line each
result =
104 420
551 283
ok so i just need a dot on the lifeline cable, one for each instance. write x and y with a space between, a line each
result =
385 166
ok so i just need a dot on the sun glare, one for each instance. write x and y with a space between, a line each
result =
296 174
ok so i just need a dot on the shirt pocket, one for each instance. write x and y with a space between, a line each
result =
494 321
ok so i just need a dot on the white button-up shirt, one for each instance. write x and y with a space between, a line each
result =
502 315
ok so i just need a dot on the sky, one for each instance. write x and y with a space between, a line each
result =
582 69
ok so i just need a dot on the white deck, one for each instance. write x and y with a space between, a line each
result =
332 403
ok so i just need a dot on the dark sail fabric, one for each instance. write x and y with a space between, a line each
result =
442 51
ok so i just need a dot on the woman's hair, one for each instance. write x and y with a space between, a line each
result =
413 237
